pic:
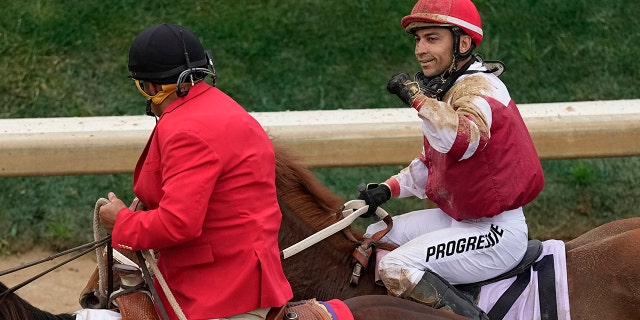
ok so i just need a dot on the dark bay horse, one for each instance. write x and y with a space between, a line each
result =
12 307
603 265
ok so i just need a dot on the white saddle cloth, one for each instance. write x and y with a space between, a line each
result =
527 306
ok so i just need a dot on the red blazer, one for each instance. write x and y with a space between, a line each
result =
207 176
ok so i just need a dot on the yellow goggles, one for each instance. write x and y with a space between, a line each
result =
158 98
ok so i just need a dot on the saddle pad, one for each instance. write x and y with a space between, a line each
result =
552 262
324 310
338 309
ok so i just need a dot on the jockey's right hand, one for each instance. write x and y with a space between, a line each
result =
374 194
404 87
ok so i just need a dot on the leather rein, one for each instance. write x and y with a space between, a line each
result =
81 250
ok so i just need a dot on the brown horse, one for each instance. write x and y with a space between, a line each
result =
377 307
323 270
603 265
366 302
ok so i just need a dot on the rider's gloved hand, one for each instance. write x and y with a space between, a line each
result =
404 87
374 194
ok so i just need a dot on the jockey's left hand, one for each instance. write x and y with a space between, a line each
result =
109 212
374 194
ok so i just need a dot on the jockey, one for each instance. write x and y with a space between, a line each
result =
207 180
478 164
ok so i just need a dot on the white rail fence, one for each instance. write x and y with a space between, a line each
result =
328 138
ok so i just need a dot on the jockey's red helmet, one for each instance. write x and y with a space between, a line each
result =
459 13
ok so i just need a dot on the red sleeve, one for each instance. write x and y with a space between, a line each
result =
394 185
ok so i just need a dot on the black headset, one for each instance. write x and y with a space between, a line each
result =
190 71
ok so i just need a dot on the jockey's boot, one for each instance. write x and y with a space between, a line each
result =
437 292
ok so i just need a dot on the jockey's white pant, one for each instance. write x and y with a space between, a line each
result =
460 251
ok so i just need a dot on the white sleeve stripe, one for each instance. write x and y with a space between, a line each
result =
473 144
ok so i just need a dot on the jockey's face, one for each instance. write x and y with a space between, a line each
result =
434 50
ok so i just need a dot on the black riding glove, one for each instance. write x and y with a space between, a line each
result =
402 86
375 194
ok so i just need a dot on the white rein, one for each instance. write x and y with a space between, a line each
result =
352 210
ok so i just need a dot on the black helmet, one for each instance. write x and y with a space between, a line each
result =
162 52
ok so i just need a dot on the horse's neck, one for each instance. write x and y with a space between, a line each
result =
336 249
37 314
323 270
12 307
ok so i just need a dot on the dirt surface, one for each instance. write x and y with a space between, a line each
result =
57 291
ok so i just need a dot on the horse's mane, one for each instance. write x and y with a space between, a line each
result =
12 307
299 188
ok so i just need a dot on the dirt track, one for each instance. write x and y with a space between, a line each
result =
57 291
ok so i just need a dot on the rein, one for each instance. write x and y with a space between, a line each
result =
83 249
357 207
97 245
351 210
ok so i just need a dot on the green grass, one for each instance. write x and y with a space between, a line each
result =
68 58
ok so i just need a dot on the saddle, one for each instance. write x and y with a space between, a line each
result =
133 299
136 305
534 249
